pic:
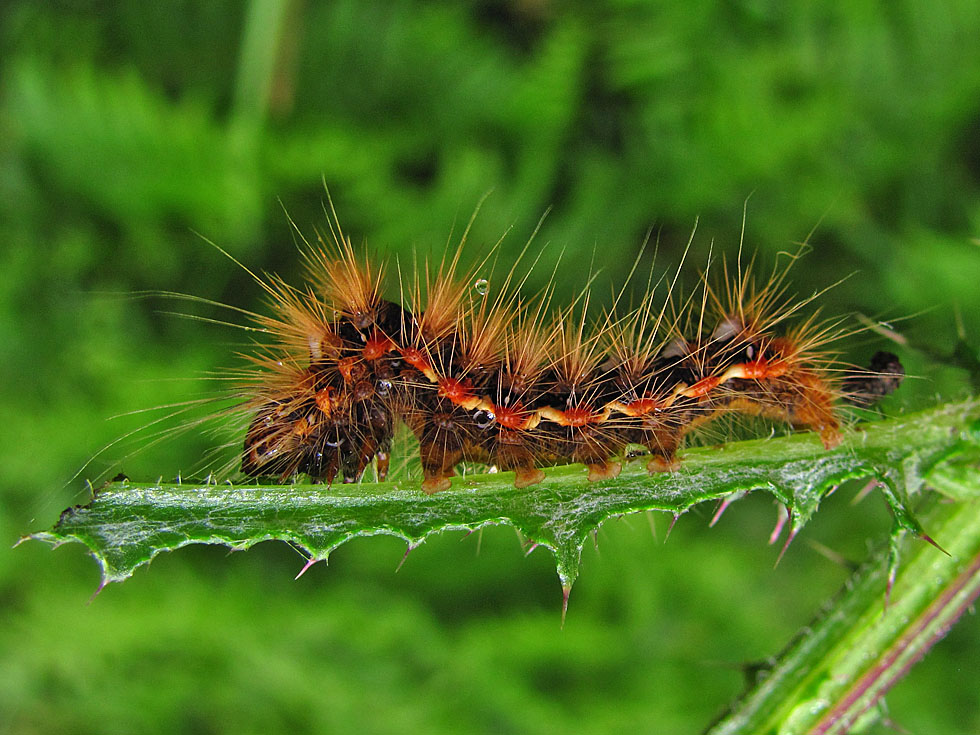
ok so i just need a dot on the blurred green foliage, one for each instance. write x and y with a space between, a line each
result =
129 132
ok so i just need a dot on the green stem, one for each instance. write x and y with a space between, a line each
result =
834 672
262 40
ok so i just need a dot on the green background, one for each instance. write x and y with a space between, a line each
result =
132 132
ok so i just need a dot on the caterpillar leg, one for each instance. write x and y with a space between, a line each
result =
382 461
438 463
608 470
357 461
594 451
433 484
527 476
511 454
662 463
662 441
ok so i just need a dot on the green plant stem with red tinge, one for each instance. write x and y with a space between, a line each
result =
929 628
831 677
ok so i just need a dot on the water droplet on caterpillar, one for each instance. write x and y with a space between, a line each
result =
483 418
481 286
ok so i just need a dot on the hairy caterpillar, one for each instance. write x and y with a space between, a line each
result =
492 376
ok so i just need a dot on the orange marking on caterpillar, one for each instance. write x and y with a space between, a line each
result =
577 416
417 359
758 369
303 428
459 392
323 400
702 387
377 345
346 367
640 407
514 417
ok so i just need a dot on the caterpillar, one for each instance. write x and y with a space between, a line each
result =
489 375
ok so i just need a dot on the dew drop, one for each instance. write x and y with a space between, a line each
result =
481 286
483 418
383 387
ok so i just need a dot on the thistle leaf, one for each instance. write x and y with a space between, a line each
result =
126 524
